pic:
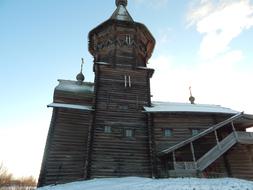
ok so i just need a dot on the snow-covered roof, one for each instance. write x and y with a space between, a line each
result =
138 183
70 106
74 86
187 107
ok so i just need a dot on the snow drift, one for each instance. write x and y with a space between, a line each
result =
138 183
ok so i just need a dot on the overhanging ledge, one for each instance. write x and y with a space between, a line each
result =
70 106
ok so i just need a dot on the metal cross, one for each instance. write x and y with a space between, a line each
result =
190 88
82 64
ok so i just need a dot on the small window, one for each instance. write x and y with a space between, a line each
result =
167 132
195 132
108 129
128 39
129 133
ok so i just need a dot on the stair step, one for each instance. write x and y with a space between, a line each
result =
184 173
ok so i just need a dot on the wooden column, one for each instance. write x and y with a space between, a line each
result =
193 155
152 146
217 139
234 130
87 172
174 159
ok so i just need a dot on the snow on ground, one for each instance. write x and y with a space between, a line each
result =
137 183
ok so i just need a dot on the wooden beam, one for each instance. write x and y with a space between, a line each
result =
233 127
152 146
193 154
174 159
217 139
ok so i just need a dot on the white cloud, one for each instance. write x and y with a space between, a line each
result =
212 82
219 23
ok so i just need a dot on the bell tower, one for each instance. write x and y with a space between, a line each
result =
119 145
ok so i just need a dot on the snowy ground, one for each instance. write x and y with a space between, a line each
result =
137 183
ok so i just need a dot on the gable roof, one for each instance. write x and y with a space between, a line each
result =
73 87
187 107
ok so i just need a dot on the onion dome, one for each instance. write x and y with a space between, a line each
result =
80 77
191 98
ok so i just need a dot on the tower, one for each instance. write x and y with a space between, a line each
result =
121 49
99 129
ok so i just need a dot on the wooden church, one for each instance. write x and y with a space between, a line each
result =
110 128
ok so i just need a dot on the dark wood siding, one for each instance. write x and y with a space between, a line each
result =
65 153
72 98
240 160
181 125
120 107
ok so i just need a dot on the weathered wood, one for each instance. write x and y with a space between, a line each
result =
240 161
203 133
65 153
193 154
216 152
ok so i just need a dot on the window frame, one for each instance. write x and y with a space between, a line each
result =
107 129
126 134
167 132
195 131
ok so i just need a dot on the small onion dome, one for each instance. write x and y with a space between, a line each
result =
121 2
192 99
80 77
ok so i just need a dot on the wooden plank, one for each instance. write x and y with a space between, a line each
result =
216 152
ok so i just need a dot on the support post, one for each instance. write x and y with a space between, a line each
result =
174 159
193 155
234 130
217 139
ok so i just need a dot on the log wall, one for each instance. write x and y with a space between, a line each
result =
66 149
119 107
240 161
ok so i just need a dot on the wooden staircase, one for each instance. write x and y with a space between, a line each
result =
195 168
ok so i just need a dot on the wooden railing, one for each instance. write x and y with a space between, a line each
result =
203 133
213 154
185 166
244 137
216 152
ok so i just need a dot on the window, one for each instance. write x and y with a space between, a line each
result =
127 81
195 132
128 39
129 133
108 129
167 132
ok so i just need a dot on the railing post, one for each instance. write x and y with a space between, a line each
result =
233 127
217 139
193 155
174 159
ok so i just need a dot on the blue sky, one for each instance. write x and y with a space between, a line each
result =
205 44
